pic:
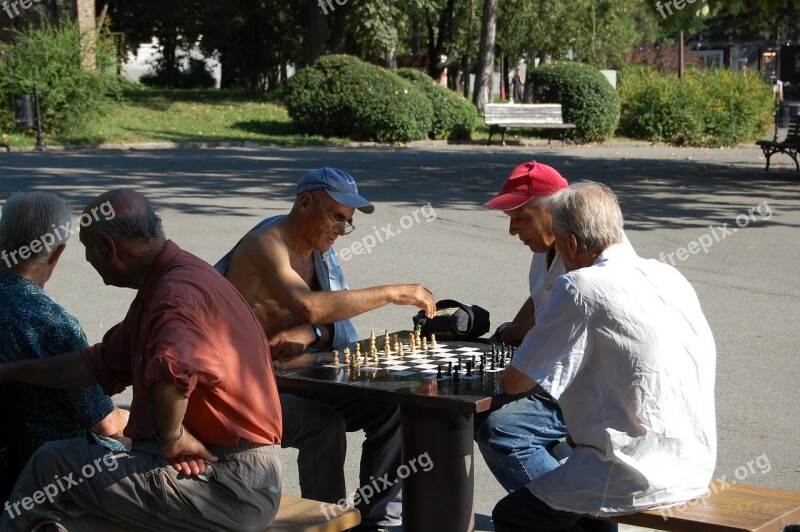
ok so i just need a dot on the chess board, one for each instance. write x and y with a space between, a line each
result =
441 362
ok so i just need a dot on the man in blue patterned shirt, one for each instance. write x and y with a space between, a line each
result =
33 232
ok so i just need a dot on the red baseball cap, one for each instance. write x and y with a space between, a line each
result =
526 181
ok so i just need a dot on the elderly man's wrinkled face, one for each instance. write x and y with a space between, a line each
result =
331 218
533 226
97 255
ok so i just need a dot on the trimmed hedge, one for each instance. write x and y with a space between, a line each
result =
51 56
454 117
587 98
714 107
344 97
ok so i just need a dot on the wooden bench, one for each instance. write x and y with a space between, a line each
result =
500 117
305 515
730 508
789 145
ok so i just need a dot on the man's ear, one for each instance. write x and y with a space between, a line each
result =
53 260
304 201
572 245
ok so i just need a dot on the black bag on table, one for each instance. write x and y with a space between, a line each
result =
454 321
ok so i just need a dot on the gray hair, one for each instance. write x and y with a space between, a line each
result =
132 228
589 211
33 225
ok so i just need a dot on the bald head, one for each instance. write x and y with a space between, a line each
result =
131 220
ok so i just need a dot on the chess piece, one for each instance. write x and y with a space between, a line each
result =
424 344
335 357
358 349
433 340
449 368
347 355
469 369
439 371
456 377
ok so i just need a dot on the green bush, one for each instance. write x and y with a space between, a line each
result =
454 117
342 96
587 98
52 56
715 107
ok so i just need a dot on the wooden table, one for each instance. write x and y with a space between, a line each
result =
436 419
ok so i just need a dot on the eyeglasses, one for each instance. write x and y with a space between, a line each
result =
340 226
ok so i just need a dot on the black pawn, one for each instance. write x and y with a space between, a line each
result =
449 368
456 377
502 362
493 366
480 370
439 372
469 369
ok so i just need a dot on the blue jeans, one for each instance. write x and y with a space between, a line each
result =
514 439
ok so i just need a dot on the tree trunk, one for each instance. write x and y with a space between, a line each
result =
483 78
465 71
316 33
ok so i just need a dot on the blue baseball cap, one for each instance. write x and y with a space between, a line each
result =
338 184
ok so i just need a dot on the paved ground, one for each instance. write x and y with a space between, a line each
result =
746 276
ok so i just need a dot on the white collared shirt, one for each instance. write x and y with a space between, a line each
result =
623 345
540 279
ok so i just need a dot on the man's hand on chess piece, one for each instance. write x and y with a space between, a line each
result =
416 295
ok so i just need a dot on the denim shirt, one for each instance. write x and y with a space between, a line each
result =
329 274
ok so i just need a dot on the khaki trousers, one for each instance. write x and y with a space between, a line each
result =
79 486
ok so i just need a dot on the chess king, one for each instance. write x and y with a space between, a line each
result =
286 269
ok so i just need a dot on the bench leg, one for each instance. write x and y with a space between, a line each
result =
504 136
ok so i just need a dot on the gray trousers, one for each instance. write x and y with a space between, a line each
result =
75 485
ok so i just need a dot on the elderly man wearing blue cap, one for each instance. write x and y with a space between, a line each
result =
286 269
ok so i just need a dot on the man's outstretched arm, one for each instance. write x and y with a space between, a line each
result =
270 258
67 370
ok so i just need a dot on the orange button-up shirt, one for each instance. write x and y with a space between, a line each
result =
189 327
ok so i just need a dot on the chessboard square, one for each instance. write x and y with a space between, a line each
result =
403 373
468 349
426 366
448 360
426 371
398 368
443 354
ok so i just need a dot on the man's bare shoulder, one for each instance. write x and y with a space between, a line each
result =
264 241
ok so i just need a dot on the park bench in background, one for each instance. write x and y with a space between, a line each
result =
500 117
789 145
306 515
726 508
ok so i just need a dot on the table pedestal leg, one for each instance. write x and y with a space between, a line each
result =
439 500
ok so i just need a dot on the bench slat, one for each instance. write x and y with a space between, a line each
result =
735 508
305 515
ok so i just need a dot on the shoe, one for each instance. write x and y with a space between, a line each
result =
370 528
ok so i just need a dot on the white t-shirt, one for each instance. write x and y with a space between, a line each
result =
540 278
623 345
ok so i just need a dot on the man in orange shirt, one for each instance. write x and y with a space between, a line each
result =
205 418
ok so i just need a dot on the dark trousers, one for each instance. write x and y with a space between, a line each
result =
316 423
521 511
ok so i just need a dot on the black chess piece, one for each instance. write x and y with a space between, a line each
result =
493 364
473 360
456 377
502 362
469 369
513 352
439 372
492 352
449 368
480 370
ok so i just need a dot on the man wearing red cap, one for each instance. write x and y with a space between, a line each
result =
515 440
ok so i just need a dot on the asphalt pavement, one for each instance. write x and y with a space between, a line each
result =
728 226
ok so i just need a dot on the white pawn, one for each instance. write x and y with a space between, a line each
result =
346 352
433 340
424 344
335 357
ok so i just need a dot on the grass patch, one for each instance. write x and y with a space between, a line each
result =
164 115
